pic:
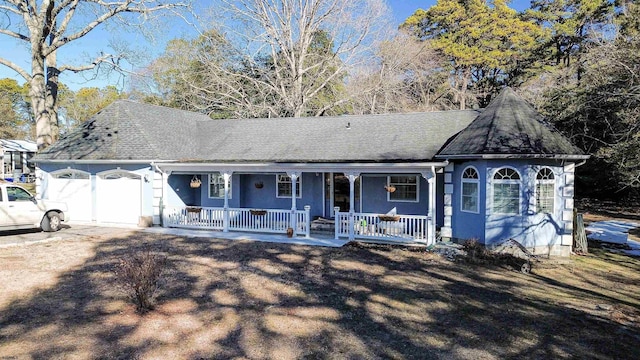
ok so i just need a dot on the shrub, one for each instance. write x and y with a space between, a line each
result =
475 251
138 275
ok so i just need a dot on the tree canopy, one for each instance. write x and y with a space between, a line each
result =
47 27
485 44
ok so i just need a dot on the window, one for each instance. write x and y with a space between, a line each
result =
70 174
18 194
470 193
506 192
406 188
284 186
120 175
216 186
545 190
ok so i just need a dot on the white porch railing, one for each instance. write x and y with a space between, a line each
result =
402 228
239 219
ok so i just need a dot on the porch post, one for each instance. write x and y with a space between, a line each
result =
431 236
337 222
227 177
307 217
431 221
352 186
163 200
294 186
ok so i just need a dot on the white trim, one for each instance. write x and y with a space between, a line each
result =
387 168
132 175
512 156
501 181
361 178
53 174
221 176
298 190
324 196
405 201
470 181
546 182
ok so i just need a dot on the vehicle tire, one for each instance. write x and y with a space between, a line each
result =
50 222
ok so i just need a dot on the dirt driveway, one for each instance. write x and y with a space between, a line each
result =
222 299
68 232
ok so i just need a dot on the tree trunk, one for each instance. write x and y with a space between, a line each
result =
51 100
463 90
37 92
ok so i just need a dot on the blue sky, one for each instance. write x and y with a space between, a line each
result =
94 42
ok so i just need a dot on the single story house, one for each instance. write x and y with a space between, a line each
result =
15 157
489 174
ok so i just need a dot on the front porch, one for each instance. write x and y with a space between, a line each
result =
347 225
256 199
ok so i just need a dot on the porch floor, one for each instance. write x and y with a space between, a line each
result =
320 238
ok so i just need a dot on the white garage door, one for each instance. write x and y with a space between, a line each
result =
74 188
118 197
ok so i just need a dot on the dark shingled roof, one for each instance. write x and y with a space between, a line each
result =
128 130
509 127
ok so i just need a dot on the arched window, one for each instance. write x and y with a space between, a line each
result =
506 192
470 187
545 190
119 174
70 174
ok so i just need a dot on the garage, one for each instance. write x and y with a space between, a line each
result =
118 197
74 188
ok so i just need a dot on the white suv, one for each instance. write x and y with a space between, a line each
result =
20 210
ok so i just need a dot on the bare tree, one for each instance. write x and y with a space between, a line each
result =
295 52
48 25
407 75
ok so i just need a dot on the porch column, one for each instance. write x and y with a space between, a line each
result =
163 199
352 198
294 188
431 222
227 177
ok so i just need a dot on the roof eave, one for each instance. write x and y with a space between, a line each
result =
513 156
88 161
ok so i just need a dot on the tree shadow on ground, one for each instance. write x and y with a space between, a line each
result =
235 299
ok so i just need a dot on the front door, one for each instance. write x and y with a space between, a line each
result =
337 186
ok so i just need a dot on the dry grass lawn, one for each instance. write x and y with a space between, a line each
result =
243 300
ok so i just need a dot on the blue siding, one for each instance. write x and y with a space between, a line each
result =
374 197
245 194
266 197
467 225
180 192
528 227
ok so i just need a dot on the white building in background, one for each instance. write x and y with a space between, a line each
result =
15 157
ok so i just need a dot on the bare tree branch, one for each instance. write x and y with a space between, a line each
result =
13 66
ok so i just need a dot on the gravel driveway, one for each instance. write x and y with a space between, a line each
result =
68 232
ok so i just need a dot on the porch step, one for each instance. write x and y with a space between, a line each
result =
323 225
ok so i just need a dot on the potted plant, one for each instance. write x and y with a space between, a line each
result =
195 182
390 188
258 212
386 217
